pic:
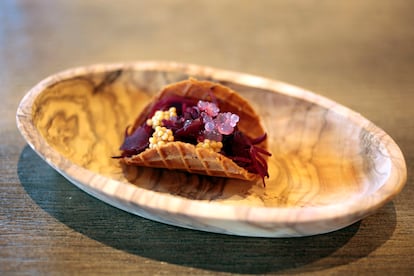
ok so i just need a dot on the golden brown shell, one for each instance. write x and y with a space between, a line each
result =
184 156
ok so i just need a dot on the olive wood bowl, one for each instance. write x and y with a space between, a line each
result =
330 167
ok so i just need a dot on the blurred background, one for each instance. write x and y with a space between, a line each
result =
329 47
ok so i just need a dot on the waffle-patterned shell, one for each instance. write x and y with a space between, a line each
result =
184 156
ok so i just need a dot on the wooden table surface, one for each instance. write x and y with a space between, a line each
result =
358 53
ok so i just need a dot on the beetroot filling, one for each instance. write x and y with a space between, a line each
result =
189 127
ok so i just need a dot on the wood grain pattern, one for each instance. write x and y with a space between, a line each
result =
330 166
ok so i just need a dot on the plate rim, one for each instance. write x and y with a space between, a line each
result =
206 209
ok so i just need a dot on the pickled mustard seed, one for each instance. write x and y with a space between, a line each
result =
211 109
210 144
159 116
225 122
161 136
221 124
209 124
199 123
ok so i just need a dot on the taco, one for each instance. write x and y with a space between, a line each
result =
200 127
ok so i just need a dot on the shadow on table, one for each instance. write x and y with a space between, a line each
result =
174 245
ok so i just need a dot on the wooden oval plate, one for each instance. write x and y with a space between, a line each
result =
330 166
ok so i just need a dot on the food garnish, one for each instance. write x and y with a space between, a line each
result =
176 117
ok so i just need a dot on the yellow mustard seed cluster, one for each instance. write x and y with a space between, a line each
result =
161 136
210 144
160 115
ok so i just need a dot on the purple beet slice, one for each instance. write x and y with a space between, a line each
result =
243 154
